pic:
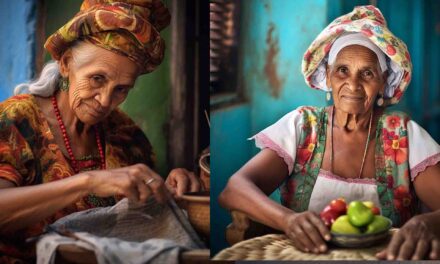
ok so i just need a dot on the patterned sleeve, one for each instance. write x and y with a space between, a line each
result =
15 154
282 137
423 149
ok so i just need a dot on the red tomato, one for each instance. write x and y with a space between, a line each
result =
375 210
339 206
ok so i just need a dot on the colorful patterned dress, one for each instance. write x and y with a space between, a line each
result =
30 156
403 149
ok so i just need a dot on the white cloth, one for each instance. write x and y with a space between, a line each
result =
395 72
283 138
356 39
329 187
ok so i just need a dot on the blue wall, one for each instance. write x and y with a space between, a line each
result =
274 37
17 50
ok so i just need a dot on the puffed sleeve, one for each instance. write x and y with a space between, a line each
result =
423 149
15 154
282 137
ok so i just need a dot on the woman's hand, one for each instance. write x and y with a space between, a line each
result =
307 231
416 240
180 181
137 183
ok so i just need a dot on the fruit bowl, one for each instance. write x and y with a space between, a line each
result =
360 240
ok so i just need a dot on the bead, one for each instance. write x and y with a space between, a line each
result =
76 168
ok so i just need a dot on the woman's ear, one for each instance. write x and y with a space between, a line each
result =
65 62
327 75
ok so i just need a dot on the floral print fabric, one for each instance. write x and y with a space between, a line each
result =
127 27
395 190
30 156
369 21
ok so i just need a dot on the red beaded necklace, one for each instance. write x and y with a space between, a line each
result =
74 161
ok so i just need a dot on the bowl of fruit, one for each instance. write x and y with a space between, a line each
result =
358 224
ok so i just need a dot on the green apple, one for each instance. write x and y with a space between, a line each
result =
358 214
378 224
342 225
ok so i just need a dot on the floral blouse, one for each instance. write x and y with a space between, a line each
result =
403 149
30 156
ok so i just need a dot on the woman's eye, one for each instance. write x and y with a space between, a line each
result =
97 80
122 90
367 74
343 70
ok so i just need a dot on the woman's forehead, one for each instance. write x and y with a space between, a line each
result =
357 54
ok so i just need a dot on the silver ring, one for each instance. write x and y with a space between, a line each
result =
147 182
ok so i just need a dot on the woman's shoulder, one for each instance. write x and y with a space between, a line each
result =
394 119
18 107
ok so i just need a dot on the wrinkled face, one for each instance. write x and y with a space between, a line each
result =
356 79
99 81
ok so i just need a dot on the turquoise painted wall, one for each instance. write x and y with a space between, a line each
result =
274 37
148 103
17 53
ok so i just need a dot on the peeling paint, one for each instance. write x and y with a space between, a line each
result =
270 66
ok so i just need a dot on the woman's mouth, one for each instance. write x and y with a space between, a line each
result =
353 98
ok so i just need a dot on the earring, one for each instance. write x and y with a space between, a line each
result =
328 96
64 84
379 101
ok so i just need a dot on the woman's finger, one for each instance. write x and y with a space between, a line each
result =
382 254
421 250
435 249
297 243
323 230
301 236
394 246
195 183
406 249
313 233
157 188
144 191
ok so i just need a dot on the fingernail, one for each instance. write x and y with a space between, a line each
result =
327 237
390 257
323 248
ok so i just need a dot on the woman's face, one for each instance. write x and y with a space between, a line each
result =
356 79
99 81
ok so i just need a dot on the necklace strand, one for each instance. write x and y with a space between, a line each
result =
366 144
67 141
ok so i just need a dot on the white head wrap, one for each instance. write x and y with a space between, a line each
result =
356 39
395 72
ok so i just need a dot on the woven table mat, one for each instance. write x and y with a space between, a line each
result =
279 247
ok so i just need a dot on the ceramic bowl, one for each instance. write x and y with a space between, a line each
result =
360 240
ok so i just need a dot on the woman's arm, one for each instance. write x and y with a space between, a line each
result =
247 191
23 206
419 238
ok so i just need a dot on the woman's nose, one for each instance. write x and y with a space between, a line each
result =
354 84
104 99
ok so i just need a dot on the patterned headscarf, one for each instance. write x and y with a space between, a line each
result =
369 21
127 27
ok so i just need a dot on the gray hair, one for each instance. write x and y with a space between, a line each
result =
45 85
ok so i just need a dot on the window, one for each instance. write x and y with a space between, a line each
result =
223 37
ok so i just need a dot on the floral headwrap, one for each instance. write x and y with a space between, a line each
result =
369 21
127 27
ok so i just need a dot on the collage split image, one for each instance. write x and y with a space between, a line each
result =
219 131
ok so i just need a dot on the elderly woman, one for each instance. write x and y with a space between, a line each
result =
65 146
353 149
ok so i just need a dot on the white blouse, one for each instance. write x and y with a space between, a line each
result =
283 138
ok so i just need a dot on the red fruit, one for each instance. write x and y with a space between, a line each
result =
329 215
375 210
391 50
339 206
